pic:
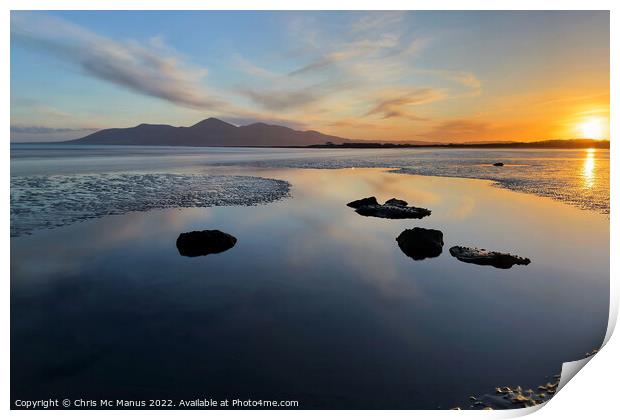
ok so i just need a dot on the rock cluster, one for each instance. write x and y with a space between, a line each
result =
506 397
419 243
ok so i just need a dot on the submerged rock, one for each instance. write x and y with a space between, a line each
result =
419 243
392 209
204 242
368 201
515 397
484 257
498 164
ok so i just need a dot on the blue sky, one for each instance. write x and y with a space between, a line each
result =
455 76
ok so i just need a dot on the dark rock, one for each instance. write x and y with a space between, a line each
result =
204 242
392 209
387 211
484 257
368 201
396 202
419 243
498 164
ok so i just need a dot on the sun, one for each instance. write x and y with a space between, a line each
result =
592 128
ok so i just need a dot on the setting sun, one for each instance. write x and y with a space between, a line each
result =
592 128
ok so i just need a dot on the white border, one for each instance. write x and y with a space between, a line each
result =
593 394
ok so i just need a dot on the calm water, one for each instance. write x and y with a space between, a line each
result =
314 303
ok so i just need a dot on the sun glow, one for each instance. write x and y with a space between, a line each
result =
592 128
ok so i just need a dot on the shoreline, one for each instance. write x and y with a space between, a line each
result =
514 176
278 175
596 144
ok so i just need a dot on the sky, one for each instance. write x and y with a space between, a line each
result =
391 76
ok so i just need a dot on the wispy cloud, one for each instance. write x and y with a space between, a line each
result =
464 129
282 100
252 69
47 130
356 49
349 68
466 79
378 21
150 69
399 105
33 106
463 126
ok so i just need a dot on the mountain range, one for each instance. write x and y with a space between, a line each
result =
209 132
214 132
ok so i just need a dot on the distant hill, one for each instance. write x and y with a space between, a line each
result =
214 132
209 132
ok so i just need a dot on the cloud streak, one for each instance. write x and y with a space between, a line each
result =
464 128
36 129
149 69
356 49
398 106
282 100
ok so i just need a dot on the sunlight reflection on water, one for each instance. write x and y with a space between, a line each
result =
589 166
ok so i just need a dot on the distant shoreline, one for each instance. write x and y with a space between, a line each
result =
548 144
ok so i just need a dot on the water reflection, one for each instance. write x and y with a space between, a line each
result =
589 165
313 303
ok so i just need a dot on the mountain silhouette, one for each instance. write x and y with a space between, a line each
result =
209 132
214 132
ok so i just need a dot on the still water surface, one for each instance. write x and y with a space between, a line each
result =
314 303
